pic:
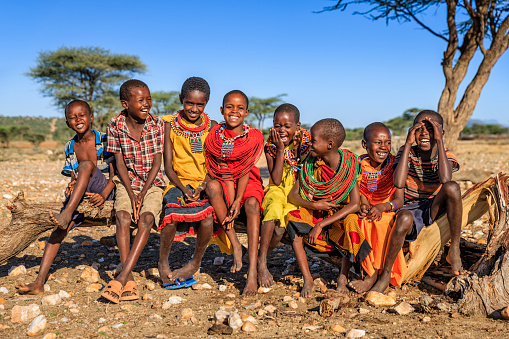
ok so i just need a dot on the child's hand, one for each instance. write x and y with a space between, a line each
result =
134 205
276 139
410 139
95 199
315 232
297 139
437 129
196 194
375 212
323 205
233 213
188 194
70 187
364 210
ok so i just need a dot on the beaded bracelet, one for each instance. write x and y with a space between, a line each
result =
394 206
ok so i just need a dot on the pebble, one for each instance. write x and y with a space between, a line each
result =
234 320
255 305
220 316
263 290
146 296
86 243
186 313
64 294
426 319
51 300
50 336
64 320
81 267
37 326
248 327
206 286
222 288
167 305
229 302
308 328
293 304
93 288
250 318
41 244
90 275
117 326
101 320
15 271
74 310
7 196
323 289
157 316
444 307
287 299
425 300
230 295
175 300
337 328
378 299
218 261
103 329
152 272
4 290
270 308
354 333
150 285
363 311
404 308
126 307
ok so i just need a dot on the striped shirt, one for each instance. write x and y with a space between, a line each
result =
422 180
138 155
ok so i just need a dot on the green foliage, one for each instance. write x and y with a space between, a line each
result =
165 102
354 133
261 109
36 139
7 134
92 74
484 129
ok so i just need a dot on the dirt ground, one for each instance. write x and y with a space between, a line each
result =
84 315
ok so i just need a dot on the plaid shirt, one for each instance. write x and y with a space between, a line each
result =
103 157
138 155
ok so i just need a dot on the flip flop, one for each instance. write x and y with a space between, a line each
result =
112 292
180 284
131 291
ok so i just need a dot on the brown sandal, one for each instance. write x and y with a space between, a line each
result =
112 292
130 291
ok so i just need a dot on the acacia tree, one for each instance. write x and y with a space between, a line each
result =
165 102
92 74
485 29
260 109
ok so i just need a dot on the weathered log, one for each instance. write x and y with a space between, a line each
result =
485 290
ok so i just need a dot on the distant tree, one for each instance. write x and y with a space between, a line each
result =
261 109
354 133
36 139
400 125
22 131
92 74
165 102
7 134
471 26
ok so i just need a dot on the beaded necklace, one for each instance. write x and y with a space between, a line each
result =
371 178
290 156
341 184
194 134
227 143
377 185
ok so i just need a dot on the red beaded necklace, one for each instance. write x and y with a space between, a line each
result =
194 134
377 185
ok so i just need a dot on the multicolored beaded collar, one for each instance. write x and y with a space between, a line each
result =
290 156
194 134
228 143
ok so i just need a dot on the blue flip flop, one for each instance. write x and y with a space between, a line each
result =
180 284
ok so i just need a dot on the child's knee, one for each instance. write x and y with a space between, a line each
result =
123 219
213 188
404 222
452 190
146 220
252 206
279 231
208 221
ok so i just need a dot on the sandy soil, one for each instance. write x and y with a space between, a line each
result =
38 175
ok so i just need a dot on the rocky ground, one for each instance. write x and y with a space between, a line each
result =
79 313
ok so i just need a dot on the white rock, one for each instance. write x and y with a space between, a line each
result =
404 308
354 333
101 320
7 196
64 320
90 275
150 285
51 300
263 290
234 320
64 294
166 305
220 316
17 270
363 310
206 286
218 261
222 288
117 326
47 288
4 290
287 299
311 327
270 308
74 310
50 336
24 313
175 300
80 267
37 326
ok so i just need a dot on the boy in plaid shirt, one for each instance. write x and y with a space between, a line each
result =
135 137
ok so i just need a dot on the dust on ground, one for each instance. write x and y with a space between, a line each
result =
84 315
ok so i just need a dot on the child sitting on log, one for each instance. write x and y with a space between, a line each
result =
187 209
425 172
232 150
327 192
85 159
379 198
286 145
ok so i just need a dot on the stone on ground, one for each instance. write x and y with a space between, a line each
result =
24 313
37 326
90 275
51 300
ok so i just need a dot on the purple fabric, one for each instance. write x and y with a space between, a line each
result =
421 212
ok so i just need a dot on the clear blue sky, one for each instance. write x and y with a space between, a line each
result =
331 64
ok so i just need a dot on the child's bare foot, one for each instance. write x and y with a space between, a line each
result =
238 253
265 279
61 220
185 272
32 288
382 282
454 259
164 271
342 282
307 289
363 285
251 288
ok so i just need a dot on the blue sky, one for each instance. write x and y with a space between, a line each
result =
332 64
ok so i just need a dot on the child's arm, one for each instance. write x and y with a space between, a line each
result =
375 212
351 207
234 210
320 205
401 171
364 208
275 166
168 165
124 176
97 199
444 165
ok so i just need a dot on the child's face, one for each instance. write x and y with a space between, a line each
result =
234 110
286 126
139 104
319 145
78 118
378 144
194 104
425 136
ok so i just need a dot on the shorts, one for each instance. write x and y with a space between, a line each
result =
153 201
421 213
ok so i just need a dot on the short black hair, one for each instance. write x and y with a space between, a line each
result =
371 127
288 108
331 129
195 84
236 91
125 89
77 101
434 114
